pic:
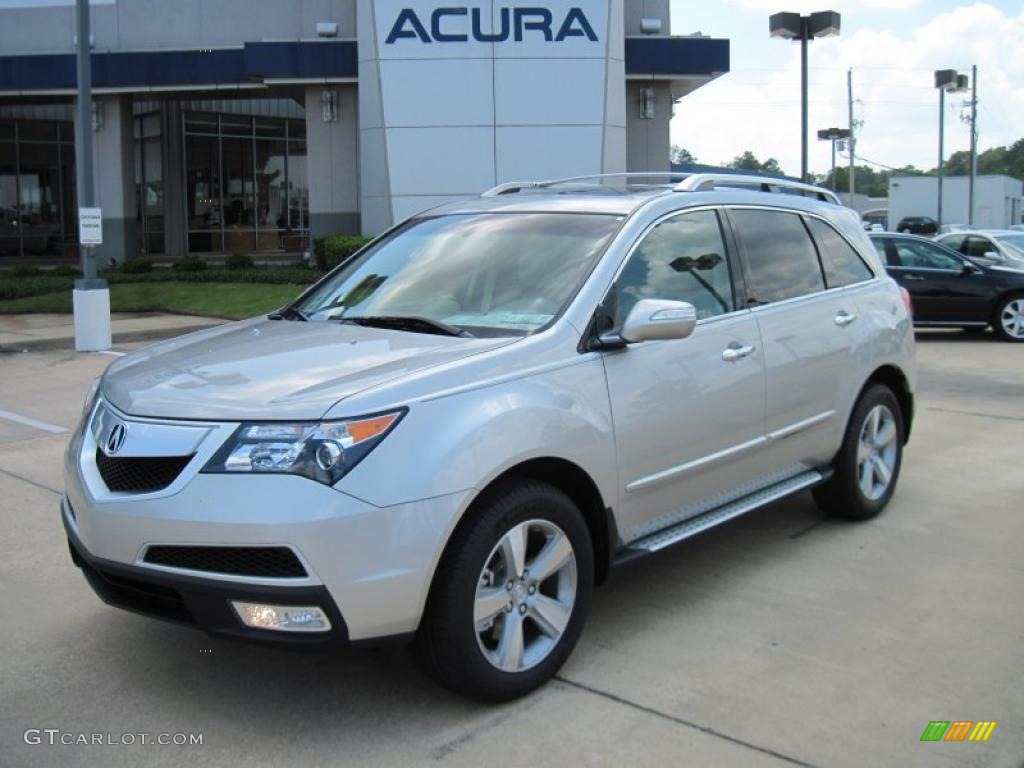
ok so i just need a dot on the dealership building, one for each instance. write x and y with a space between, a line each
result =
225 126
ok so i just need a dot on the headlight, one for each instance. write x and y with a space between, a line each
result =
90 395
324 451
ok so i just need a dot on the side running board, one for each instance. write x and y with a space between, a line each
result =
694 525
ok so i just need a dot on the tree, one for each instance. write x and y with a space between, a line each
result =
748 162
681 156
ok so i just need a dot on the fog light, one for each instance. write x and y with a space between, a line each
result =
284 618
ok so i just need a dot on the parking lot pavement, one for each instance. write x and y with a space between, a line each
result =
783 638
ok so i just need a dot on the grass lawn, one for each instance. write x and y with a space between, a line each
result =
229 300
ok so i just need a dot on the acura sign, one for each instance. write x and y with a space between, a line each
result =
446 25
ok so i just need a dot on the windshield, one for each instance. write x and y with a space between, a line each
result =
1014 244
486 274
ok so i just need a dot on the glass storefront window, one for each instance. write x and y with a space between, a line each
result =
263 203
203 194
37 179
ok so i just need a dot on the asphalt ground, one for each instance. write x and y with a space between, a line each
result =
782 638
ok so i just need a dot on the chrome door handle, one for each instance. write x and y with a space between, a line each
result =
844 318
732 354
913 277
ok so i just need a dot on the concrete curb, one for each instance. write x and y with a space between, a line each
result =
68 343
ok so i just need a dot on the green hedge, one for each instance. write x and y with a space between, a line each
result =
330 251
18 287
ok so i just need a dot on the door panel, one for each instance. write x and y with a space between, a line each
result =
807 334
808 346
688 424
938 286
688 413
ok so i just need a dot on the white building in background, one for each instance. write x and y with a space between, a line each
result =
998 200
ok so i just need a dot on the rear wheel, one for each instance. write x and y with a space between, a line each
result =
868 463
511 594
1008 322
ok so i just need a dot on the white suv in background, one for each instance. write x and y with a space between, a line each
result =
456 434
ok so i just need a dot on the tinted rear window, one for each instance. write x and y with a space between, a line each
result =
843 265
781 258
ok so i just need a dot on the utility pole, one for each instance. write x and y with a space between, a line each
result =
974 144
852 143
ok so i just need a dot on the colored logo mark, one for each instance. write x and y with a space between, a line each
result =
958 730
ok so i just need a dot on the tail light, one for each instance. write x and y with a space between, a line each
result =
906 301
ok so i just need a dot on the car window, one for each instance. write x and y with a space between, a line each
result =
977 246
955 242
925 256
781 257
843 265
682 259
491 273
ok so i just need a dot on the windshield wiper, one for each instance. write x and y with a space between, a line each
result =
288 313
407 323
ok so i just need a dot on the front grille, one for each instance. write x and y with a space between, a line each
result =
266 562
139 474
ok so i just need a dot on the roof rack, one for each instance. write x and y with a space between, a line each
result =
698 182
681 182
513 187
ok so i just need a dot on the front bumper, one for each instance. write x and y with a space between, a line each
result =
371 565
202 603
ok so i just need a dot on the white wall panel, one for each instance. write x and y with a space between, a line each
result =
440 161
435 93
546 152
549 91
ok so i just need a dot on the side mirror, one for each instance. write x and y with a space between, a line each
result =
967 268
658 319
994 256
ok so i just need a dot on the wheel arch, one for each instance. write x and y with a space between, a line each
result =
894 378
576 483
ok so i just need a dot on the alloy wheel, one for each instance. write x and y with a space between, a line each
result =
525 595
877 452
1011 318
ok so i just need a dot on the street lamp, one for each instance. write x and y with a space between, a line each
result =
834 135
793 26
945 80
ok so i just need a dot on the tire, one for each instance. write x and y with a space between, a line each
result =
463 654
845 495
1008 321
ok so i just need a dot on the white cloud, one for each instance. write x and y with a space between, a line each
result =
893 82
809 6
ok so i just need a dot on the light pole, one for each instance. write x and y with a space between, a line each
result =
793 26
945 80
834 135
90 297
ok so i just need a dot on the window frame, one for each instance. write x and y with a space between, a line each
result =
823 252
736 275
955 255
741 250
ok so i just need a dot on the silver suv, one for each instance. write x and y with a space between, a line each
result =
456 434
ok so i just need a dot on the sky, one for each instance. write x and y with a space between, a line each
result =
893 46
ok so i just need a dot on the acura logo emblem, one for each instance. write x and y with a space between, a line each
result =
116 438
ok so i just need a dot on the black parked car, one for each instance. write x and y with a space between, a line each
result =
918 225
950 290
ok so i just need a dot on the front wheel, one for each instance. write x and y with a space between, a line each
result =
511 593
1009 320
868 463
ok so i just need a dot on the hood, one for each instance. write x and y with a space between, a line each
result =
273 369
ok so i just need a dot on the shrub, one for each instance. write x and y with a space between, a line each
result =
330 251
64 270
189 264
239 261
136 266
16 288
25 270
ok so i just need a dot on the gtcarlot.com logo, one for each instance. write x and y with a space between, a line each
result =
958 730
56 737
